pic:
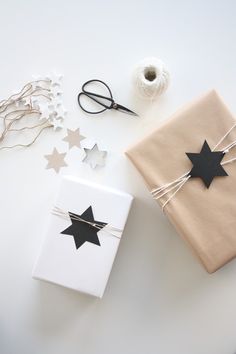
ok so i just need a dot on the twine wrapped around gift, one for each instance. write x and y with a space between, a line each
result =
176 185
113 231
204 218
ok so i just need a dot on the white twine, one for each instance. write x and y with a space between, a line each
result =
151 78
68 215
172 196
179 182
224 136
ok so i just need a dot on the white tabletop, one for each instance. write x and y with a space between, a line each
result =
159 299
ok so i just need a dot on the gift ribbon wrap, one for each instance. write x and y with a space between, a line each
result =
205 218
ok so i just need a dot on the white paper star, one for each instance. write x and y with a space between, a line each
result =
55 102
45 111
55 79
35 102
60 111
56 123
26 101
95 157
55 91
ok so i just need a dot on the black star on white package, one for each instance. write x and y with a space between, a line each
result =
79 248
84 228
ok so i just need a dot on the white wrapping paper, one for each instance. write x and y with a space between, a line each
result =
87 268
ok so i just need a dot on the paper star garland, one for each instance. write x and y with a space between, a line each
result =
56 160
60 111
26 101
206 164
83 232
56 123
55 91
45 111
39 101
51 107
53 111
35 102
73 138
57 116
55 79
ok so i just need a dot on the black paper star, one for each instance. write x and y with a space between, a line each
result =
82 231
206 164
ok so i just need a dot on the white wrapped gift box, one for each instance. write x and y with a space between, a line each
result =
87 268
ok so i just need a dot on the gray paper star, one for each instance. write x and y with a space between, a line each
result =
74 138
95 157
56 160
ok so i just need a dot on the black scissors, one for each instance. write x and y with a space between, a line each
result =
93 96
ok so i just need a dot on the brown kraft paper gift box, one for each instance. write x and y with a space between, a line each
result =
204 217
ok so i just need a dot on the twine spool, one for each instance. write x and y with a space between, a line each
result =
151 78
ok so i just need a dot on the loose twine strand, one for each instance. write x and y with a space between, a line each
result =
11 117
179 182
68 215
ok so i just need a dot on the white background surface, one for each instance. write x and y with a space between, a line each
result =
159 300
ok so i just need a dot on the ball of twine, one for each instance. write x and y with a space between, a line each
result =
151 78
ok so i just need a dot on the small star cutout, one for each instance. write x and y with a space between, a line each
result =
60 111
55 103
56 160
95 157
45 111
26 101
74 138
56 123
83 232
55 79
35 102
55 91
206 164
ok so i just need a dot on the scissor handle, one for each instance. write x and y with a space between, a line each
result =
95 94
92 96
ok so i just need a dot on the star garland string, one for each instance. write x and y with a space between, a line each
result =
36 107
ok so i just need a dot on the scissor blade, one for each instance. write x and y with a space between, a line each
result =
125 110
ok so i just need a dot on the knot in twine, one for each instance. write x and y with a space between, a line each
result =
151 78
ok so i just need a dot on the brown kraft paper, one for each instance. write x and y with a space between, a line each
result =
205 218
